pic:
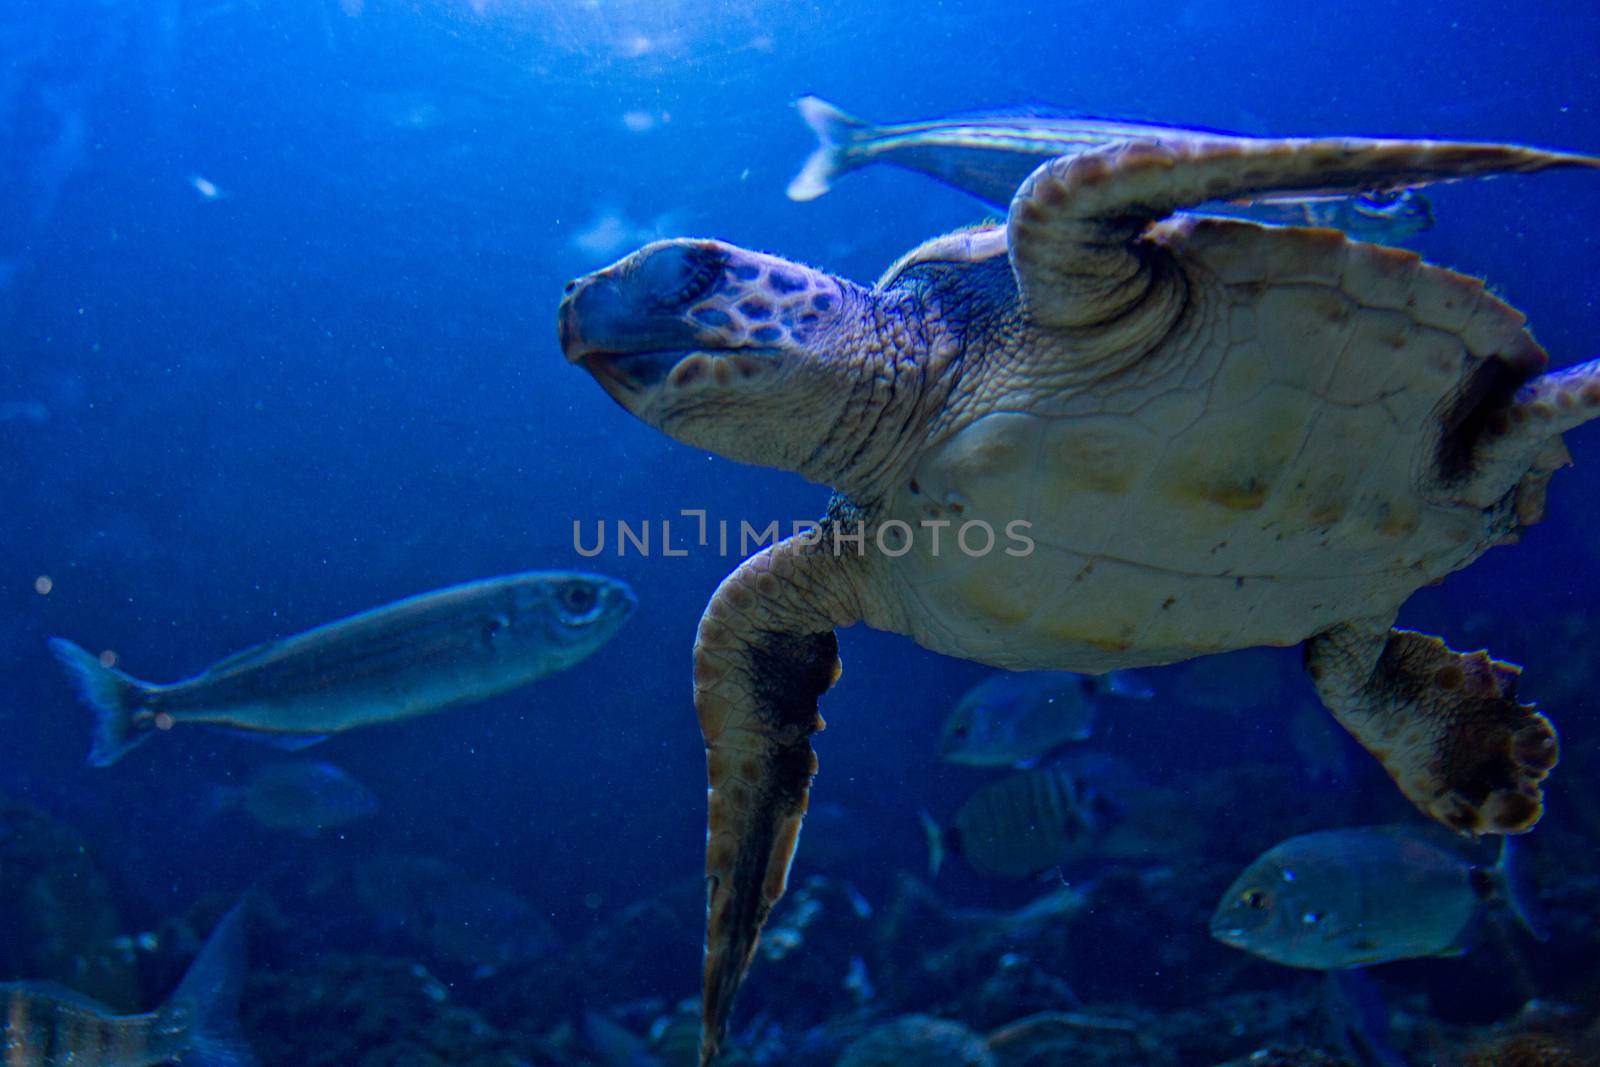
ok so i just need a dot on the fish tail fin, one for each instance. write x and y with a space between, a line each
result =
935 837
1512 882
207 1000
113 696
836 131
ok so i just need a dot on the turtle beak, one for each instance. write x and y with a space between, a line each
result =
573 345
597 317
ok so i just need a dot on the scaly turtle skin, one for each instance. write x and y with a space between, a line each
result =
1217 435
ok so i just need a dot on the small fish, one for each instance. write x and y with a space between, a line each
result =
1022 824
1013 718
48 1025
300 797
989 154
414 657
1352 898
1380 217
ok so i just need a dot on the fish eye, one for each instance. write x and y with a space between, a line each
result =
960 729
1256 899
578 598
493 626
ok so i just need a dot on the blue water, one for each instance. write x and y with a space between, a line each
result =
277 333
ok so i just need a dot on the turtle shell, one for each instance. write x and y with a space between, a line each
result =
1293 451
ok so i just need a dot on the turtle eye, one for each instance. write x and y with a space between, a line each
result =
1256 899
578 599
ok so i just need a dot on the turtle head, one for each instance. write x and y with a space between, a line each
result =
744 354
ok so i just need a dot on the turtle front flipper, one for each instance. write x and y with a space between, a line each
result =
764 654
1446 725
1074 225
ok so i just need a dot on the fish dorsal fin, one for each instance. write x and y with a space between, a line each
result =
245 657
1057 114
1034 110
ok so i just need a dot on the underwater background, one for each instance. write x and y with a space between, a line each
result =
277 344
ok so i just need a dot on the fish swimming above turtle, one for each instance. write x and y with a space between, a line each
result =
988 154
1105 435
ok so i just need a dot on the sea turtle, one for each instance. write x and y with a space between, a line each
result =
1161 436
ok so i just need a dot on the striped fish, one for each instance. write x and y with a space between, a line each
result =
48 1025
1022 824
413 657
988 155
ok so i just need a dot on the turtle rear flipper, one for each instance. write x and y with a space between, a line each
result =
764 654
1446 725
1074 224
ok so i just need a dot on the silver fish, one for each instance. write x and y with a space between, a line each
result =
414 657
989 154
48 1025
1014 717
302 797
1351 898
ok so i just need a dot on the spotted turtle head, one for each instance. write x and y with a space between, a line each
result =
736 351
